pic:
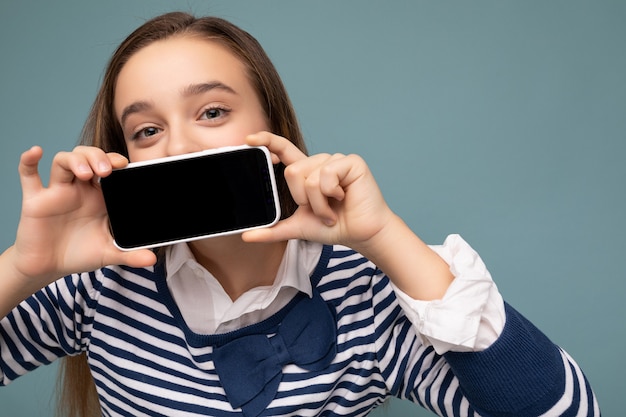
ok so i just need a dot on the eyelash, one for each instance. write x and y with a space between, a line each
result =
223 112
203 116
137 135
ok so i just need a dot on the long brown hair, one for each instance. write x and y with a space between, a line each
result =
77 395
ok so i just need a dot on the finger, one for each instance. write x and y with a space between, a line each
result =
318 201
67 166
287 152
84 162
117 160
282 231
331 176
323 185
345 170
137 259
28 170
297 174
100 162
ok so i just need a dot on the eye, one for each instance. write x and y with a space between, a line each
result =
146 132
214 113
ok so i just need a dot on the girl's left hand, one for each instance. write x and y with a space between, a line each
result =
338 198
340 203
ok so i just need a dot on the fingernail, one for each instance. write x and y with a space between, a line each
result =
103 166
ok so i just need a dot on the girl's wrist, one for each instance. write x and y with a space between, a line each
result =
411 264
15 285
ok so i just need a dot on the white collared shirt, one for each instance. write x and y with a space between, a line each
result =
208 309
469 317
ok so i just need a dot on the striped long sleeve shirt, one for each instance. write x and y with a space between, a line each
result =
146 361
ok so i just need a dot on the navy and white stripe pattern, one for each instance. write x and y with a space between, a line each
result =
146 361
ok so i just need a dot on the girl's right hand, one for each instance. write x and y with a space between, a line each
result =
64 227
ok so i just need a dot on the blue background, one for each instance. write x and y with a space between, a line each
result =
502 121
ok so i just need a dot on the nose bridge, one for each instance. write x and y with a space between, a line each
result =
181 139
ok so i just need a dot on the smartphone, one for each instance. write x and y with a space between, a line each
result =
192 196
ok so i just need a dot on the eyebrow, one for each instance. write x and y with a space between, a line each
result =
190 90
136 107
195 89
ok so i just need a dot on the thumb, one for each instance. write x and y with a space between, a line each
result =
28 170
281 231
138 258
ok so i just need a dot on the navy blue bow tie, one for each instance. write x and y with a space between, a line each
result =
250 367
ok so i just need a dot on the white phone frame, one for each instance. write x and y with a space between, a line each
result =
214 151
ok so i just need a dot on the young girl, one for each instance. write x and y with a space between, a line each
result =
329 312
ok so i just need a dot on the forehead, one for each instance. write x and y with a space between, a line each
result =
172 64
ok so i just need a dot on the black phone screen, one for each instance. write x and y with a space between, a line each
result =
190 198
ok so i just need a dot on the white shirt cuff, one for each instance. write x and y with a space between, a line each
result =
470 316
